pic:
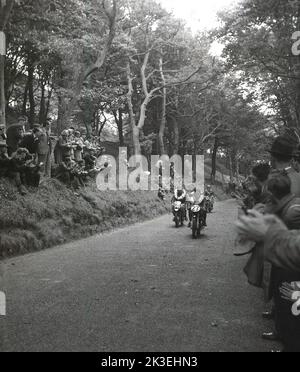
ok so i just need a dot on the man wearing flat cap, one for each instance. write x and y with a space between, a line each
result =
281 248
282 152
287 327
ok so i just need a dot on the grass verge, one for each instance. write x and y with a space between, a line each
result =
54 215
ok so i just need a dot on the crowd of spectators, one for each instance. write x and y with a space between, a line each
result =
272 206
30 158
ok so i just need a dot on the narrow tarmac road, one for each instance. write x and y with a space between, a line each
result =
145 288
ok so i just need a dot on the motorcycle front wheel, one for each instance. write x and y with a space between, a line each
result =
195 228
176 220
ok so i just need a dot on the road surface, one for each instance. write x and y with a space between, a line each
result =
144 288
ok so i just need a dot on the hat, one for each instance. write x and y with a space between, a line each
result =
22 150
283 146
16 125
3 144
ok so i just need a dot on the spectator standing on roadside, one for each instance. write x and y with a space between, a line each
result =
15 134
282 249
79 144
282 152
18 169
68 173
43 149
30 141
71 140
62 148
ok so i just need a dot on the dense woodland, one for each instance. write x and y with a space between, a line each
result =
82 63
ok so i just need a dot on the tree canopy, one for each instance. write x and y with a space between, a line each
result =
88 63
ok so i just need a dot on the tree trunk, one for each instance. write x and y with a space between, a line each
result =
176 137
5 11
62 111
298 80
101 58
135 132
230 166
48 102
89 130
163 122
119 120
237 164
42 113
31 116
136 140
2 92
214 161
25 99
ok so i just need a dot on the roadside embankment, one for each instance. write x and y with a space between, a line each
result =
54 215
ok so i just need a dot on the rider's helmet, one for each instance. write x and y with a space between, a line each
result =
179 193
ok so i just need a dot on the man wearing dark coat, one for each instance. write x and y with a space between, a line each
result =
30 141
15 134
286 206
282 152
288 210
281 248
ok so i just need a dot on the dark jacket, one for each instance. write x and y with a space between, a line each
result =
282 248
260 273
288 210
295 180
13 138
29 142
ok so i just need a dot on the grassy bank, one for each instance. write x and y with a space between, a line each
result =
54 215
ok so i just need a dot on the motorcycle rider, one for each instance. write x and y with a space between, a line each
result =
190 201
202 203
180 196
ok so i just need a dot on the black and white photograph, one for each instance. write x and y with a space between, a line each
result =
149 179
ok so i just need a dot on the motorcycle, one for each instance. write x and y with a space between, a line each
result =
209 203
178 213
197 219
